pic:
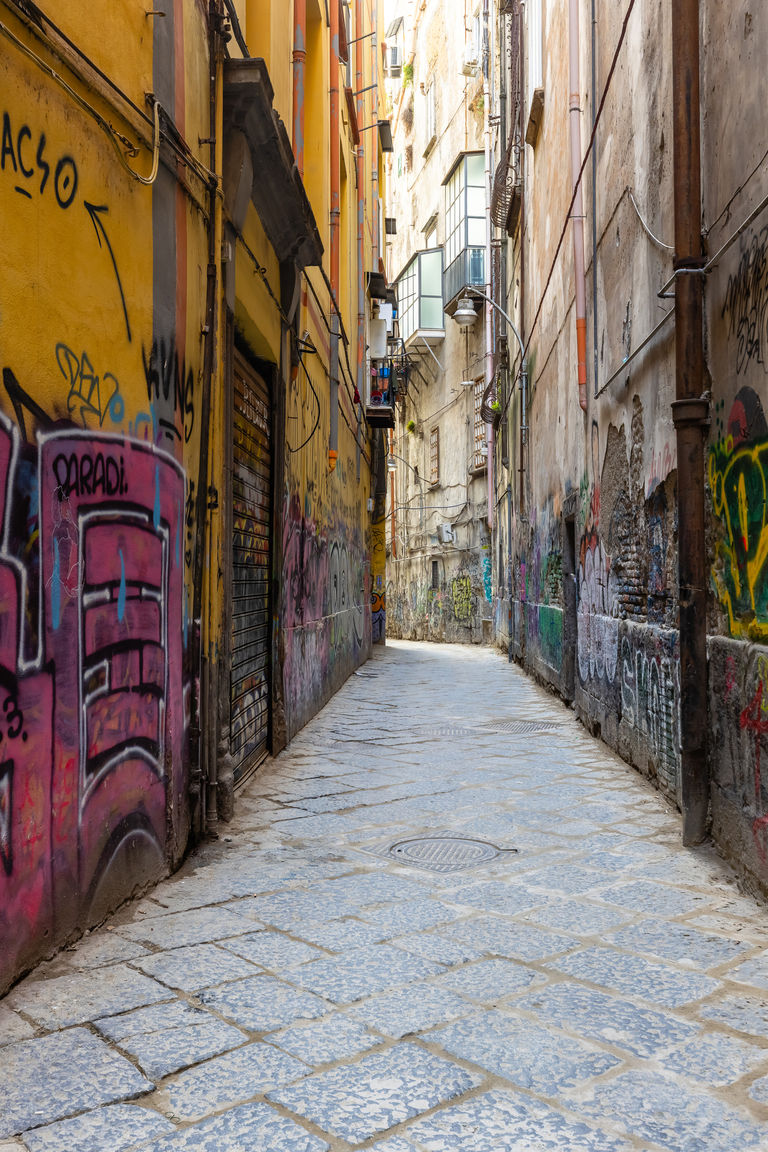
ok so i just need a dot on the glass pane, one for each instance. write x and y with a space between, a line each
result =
476 169
475 232
431 273
476 266
431 312
475 201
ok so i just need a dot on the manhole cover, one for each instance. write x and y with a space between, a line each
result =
445 853
521 727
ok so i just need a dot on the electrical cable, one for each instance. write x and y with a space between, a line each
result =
646 229
304 443
577 182
739 190
111 133
178 146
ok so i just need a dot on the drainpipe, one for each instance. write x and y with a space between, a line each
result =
203 766
333 439
299 66
489 436
578 206
376 254
690 413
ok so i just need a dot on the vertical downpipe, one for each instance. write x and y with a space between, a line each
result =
577 222
489 437
690 413
299 67
333 439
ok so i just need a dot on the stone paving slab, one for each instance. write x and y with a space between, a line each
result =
296 988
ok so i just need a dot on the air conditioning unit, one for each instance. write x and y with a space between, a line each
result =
445 533
469 61
395 62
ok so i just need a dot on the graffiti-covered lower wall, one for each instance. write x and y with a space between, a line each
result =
441 597
326 595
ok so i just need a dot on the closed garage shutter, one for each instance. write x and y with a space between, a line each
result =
251 499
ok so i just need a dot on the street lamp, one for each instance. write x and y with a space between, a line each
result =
465 316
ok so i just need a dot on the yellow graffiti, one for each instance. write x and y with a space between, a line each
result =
739 486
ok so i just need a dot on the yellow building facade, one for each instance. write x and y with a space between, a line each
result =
186 468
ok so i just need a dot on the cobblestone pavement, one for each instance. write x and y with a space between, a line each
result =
591 987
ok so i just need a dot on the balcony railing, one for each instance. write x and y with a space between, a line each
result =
466 271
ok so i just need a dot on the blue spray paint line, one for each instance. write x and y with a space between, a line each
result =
156 514
121 593
56 587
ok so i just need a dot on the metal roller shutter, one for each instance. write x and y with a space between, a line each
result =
251 499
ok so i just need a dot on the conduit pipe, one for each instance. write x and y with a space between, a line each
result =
690 413
577 218
299 67
333 439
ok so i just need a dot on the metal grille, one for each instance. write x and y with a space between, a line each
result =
521 727
479 457
434 456
251 491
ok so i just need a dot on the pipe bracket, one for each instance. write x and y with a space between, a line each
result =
691 412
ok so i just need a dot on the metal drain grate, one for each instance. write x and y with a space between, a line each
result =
447 732
523 727
445 853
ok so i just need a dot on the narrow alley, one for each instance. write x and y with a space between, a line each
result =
445 919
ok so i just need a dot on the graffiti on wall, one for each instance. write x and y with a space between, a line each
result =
462 599
598 603
754 719
745 307
91 735
650 697
326 602
738 479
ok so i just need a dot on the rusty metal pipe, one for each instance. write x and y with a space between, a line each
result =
333 436
690 412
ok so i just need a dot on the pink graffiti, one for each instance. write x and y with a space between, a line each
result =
751 719
92 733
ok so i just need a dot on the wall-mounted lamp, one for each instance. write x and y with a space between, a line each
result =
465 314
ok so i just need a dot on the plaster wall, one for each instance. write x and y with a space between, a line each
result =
439 565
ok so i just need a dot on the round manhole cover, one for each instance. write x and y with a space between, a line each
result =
445 853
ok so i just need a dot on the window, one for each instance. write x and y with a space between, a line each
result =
480 454
435 576
429 117
420 294
434 456
465 225
535 93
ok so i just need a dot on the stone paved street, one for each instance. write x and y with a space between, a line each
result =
592 987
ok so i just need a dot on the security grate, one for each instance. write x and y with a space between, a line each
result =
523 727
445 853
448 732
